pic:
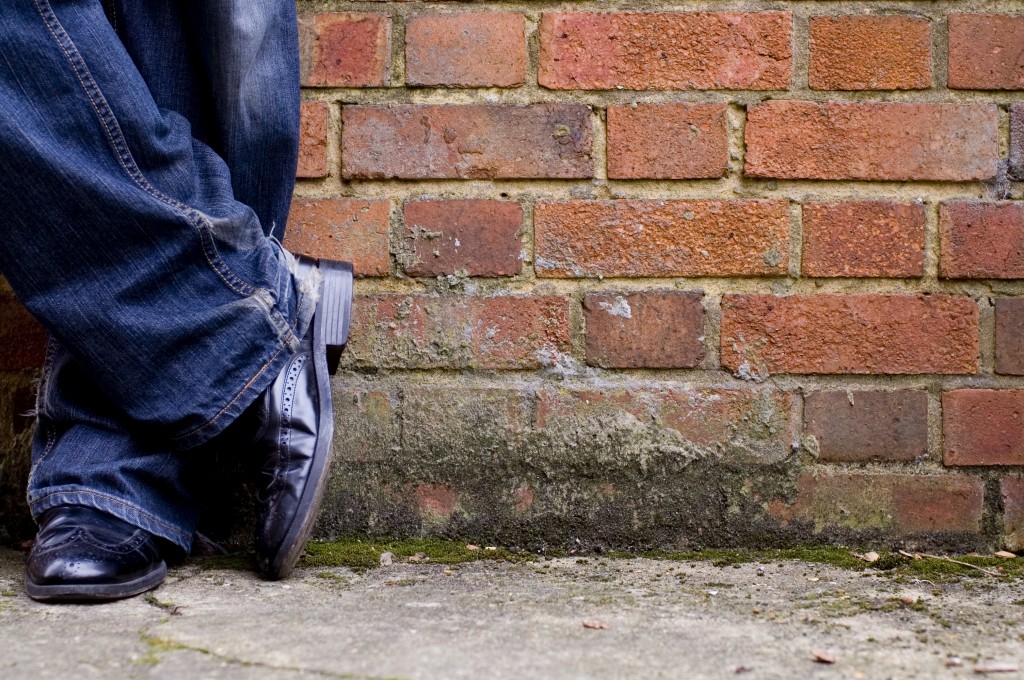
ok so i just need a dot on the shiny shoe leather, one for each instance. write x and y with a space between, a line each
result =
84 554
297 426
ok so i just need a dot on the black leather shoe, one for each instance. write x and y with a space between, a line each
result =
84 554
296 427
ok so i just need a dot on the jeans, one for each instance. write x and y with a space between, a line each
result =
147 159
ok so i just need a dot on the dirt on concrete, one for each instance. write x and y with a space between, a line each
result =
567 617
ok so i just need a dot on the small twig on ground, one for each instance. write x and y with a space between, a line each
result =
950 559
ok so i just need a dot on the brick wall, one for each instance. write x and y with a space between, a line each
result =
673 273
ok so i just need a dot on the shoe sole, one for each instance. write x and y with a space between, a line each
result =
95 592
330 334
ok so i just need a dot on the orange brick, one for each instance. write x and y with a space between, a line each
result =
470 49
1012 490
889 334
982 240
870 53
860 426
903 504
422 331
478 237
983 427
872 141
1010 336
863 238
985 51
666 51
313 140
667 141
652 329
419 142
344 49
661 238
342 229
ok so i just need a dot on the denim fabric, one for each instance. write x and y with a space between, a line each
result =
141 144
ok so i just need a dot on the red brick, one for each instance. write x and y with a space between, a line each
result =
662 238
872 141
471 49
652 329
899 503
863 238
420 142
1017 141
982 240
666 51
478 237
1012 489
1010 336
870 53
439 500
983 427
346 229
22 338
313 140
892 334
986 51
855 427
667 141
733 425
423 331
344 49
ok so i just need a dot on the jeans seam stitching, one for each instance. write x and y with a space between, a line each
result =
89 492
235 398
108 121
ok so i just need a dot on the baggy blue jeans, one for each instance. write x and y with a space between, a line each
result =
147 159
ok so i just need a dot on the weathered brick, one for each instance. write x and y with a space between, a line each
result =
667 141
342 229
478 237
423 331
837 140
666 51
471 49
902 503
1017 141
983 427
854 427
662 238
419 142
982 240
22 338
985 51
870 53
1012 489
367 425
1010 336
652 329
892 334
344 49
313 140
863 238
736 425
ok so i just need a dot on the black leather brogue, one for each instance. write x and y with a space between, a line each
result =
84 554
297 426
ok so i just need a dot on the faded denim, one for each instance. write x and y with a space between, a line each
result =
147 158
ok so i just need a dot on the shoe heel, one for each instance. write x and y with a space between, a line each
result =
335 311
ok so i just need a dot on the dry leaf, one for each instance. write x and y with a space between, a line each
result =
1005 553
472 547
491 547
822 656
870 556
595 625
996 667
908 599
418 557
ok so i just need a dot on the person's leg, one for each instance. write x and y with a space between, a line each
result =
156 280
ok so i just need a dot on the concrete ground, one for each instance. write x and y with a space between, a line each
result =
495 620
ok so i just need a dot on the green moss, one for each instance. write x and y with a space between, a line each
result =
361 554
835 556
235 562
